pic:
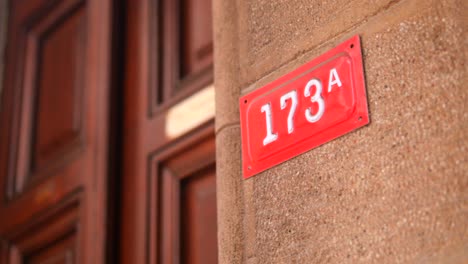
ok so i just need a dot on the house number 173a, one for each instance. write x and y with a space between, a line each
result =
292 96
311 105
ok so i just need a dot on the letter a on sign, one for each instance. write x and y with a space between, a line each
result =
316 103
334 79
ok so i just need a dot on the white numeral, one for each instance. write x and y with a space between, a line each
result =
316 98
293 96
270 137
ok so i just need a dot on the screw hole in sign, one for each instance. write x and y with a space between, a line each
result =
352 46
245 101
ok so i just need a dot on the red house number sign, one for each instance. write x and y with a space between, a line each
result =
318 102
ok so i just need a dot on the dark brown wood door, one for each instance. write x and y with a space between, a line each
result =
54 139
169 180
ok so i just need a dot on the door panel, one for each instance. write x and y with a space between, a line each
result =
180 48
50 102
54 138
59 106
196 36
51 239
62 251
198 218
183 203
169 193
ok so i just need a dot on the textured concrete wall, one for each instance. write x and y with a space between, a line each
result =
395 191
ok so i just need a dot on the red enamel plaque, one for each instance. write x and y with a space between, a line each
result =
318 102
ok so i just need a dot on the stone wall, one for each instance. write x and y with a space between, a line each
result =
395 191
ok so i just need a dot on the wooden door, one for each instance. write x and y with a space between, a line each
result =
169 183
54 137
